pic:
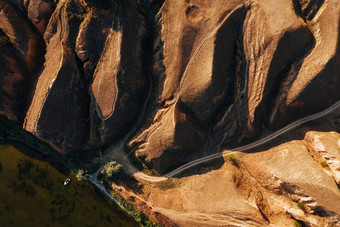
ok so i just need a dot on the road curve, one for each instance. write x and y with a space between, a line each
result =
142 176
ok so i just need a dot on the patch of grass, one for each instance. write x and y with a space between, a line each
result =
167 184
99 4
4 40
145 169
110 171
150 172
83 175
297 224
76 9
301 206
79 17
231 158
138 215
324 164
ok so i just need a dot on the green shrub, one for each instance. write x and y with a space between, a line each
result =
79 17
231 158
111 170
167 184
138 215
83 175
297 224
324 164
4 40
301 206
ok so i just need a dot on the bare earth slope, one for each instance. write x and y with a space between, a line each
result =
103 80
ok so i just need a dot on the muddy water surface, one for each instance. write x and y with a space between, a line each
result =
32 193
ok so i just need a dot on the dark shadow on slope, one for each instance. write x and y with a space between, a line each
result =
327 85
312 9
132 79
192 127
223 88
233 122
292 48
294 133
67 124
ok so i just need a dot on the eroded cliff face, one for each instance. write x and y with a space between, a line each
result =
229 70
218 71
171 86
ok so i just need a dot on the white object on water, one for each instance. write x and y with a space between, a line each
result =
67 181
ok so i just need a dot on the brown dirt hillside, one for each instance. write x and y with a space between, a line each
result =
162 83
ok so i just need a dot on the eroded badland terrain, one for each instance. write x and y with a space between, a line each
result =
222 112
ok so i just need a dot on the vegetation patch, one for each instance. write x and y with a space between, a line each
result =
114 170
83 175
232 159
110 171
167 184
151 172
138 215
77 9
4 40
297 223
301 206
324 164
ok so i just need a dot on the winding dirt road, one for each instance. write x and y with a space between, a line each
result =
142 176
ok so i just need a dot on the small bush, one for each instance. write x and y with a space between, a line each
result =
297 224
324 164
138 215
82 175
231 158
167 184
111 170
301 206
4 40
79 17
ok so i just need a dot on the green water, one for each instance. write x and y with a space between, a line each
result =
32 193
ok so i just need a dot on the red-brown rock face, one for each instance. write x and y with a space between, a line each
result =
197 77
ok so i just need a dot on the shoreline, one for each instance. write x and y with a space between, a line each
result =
128 208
